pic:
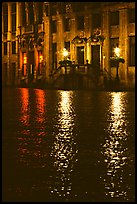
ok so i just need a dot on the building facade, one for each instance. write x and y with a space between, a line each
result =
34 35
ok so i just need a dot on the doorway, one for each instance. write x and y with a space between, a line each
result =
31 66
80 55
95 56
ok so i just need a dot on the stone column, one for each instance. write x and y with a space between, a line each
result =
35 11
47 54
87 34
123 44
35 63
60 38
106 43
9 43
18 33
72 36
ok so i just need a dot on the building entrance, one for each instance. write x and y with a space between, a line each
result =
80 55
30 66
95 56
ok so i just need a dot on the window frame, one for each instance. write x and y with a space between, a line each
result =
13 47
80 26
66 24
5 17
114 19
5 49
13 17
131 15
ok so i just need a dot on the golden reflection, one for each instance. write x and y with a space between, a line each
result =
30 139
115 149
24 106
40 105
64 150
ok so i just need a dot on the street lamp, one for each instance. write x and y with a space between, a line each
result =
117 55
117 51
65 53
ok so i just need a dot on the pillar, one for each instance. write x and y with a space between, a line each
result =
123 39
106 43
60 38
72 35
18 33
47 54
9 43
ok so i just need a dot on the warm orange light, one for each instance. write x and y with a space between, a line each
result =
65 52
117 51
25 60
40 58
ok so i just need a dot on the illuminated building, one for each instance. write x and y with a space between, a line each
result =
34 35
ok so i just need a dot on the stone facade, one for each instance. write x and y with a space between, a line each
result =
33 62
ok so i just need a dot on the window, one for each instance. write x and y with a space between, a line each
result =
14 47
96 20
68 7
114 18
54 55
114 42
54 26
67 24
80 22
46 9
53 9
62 7
5 17
131 15
67 46
23 13
31 13
5 48
132 51
40 12
13 8
13 17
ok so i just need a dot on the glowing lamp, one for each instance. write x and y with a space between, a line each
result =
40 58
65 52
25 60
117 51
